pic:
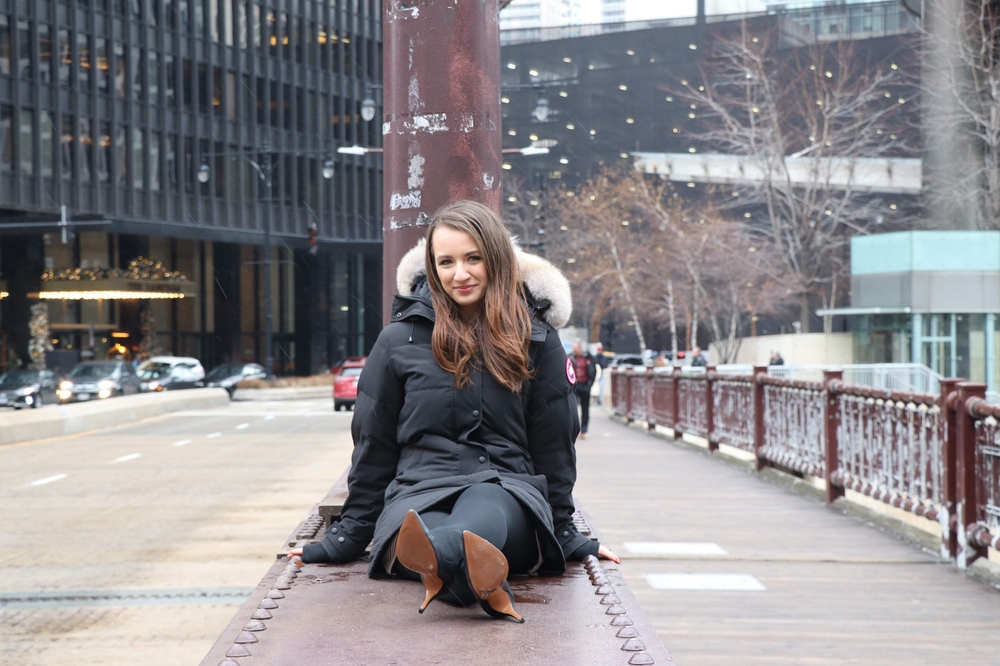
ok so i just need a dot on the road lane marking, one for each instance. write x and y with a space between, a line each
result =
242 426
182 442
705 582
269 417
48 479
213 435
131 456
674 548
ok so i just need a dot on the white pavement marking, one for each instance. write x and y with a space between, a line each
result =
131 456
213 435
269 417
674 548
48 479
243 426
182 442
709 582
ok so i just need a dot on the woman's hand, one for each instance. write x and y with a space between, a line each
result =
604 553
295 552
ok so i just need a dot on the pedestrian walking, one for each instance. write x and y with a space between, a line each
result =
465 424
584 368
776 358
600 363
697 360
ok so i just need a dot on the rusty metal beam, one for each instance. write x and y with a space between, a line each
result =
442 117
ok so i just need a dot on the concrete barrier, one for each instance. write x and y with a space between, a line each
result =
300 393
56 421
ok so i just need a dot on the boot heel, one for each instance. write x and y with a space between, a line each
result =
487 570
415 552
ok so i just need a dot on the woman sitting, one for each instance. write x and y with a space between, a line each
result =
464 427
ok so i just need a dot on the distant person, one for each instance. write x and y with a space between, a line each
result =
776 358
583 366
601 363
697 360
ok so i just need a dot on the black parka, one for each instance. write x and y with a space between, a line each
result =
419 441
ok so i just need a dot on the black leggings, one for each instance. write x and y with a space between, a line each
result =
489 511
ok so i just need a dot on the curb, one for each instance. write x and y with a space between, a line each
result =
61 420
303 393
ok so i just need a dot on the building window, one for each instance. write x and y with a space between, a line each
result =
67 148
172 164
27 150
153 75
271 33
120 70
199 18
231 95
188 165
86 150
241 24
103 66
285 47
45 53
217 91
47 140
137 10
168 14
104 153
188 86
6 138
83 57
121 158
171 75
65 57
204 93
255 25
154 161
185 16
5 46
24 50
135 68
138 152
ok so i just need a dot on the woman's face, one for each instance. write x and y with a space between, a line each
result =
460 267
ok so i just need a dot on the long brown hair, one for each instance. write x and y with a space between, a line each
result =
499 337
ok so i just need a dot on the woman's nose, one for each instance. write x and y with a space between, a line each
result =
460 272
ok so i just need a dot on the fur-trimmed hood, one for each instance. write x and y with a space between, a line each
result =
543 281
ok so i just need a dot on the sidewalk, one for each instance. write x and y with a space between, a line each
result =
836 589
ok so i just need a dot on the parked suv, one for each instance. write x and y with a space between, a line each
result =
157 376
28 388
99 380
228 375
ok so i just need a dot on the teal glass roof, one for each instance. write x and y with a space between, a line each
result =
925 251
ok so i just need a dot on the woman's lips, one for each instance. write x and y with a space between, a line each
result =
465 290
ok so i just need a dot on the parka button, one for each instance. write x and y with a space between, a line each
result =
565 534
482 459
399 314
340 539
334 530
475 412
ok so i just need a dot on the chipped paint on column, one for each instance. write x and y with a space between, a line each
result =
441 125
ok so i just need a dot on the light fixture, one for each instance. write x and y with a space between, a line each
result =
204 173
328 168
119 334
534 150
533 72
511 65
541 112
563 160
106 295
368 107
352 150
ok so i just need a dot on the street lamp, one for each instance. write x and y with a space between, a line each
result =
264 166
368 107
541 112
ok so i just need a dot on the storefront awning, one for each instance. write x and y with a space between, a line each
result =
832 312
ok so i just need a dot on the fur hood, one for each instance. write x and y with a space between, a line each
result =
544 281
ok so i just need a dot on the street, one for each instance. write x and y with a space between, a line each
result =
137 544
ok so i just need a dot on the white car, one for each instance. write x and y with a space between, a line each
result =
184 370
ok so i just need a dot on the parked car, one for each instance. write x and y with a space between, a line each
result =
193 364
627 359
345 386
228 375
156 376
100 380
28 388
335 370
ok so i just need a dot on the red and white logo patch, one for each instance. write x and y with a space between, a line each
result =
570 372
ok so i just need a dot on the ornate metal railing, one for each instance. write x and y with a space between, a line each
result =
933 455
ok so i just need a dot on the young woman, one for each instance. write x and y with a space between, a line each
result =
464 428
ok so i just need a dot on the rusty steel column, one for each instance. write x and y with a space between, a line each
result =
758 417
831 453
967 501
949 461
713 441
442 117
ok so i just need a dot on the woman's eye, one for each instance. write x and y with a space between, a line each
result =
474 257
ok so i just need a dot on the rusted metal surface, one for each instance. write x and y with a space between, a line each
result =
442 117
793 424
732 411
892 448
638 383
692 415
662 390
986 530
619 392
335 614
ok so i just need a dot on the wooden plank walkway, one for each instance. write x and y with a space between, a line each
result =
837 590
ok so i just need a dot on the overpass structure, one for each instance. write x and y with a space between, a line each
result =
883 175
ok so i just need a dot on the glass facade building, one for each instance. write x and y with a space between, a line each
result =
112 108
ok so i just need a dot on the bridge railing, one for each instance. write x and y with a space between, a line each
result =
936 455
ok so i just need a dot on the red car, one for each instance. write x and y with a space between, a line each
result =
345 385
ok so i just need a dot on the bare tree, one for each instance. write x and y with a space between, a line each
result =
962 84
823 104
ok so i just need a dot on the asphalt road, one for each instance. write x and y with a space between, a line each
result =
137 544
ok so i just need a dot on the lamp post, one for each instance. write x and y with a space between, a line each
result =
264 166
